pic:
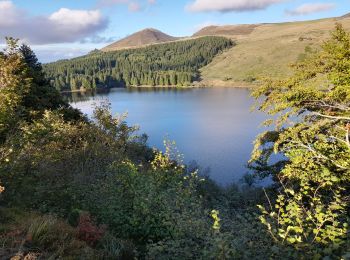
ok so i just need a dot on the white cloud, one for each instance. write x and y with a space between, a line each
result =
79 18
47 54
310 8
8 13
51 53
65 25
230 5
97 39
107 3
134 7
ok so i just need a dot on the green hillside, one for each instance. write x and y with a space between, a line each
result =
265 51
175 64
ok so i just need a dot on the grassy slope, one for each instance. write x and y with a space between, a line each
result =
142 38
267 51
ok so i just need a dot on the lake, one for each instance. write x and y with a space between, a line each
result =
213 126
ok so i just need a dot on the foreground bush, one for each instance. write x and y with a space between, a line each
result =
311 212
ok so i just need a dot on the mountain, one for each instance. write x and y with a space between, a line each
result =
145 37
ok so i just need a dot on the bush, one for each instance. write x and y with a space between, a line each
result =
52 237
113 248
88 231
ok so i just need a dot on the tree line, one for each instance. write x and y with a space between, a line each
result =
170 64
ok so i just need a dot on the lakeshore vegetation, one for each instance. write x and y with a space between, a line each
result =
79 188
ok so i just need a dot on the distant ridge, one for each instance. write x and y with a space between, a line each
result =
246 29
227 30
145 37
345 16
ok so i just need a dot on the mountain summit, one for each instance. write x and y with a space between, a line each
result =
145 37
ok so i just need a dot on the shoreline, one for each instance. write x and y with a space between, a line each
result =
202 84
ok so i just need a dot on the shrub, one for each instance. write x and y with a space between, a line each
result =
88 231
113 248
52 237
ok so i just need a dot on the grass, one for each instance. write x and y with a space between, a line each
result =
31 235
268 51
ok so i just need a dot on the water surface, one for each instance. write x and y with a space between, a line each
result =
213 126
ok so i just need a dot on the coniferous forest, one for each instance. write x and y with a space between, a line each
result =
171 64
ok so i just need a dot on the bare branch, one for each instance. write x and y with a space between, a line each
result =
333 117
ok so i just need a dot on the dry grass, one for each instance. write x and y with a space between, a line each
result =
29 235
227 30
268 50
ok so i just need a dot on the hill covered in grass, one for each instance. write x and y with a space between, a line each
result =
265 50
175 64
140 39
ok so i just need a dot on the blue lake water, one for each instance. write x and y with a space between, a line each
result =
213 126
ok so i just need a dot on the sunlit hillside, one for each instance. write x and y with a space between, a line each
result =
267 51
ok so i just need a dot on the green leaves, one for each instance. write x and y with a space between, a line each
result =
313 106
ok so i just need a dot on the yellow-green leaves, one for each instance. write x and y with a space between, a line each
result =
215 216
313 112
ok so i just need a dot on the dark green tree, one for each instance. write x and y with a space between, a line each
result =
164 64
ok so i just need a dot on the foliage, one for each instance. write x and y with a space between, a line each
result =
88 231
169 64
24 93
215 215
32 236
42 148
145 205
312 131
14 85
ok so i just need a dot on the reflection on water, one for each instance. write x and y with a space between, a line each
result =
213 126
75 97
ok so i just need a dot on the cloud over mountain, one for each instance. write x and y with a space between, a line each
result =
230 5
310 8
64 25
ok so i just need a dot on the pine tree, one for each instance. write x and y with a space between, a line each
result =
153 65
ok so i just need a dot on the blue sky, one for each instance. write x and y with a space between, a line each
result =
65 28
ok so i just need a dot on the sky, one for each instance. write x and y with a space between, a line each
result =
61 29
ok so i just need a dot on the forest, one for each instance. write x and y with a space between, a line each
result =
90 188
170 64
